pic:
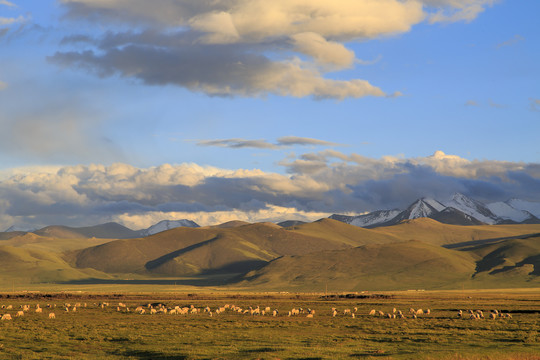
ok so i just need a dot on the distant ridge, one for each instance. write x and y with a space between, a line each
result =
459 210
109 230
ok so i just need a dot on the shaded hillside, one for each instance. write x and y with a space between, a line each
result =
187 251
39 266
404 265
508 258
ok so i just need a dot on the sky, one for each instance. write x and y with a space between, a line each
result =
136 111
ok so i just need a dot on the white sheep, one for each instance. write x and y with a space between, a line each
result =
52 315
6 317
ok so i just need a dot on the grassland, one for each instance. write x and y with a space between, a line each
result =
95 333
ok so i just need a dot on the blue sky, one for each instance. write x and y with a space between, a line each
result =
88 83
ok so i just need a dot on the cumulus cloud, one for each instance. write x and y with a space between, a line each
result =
244 48
317 184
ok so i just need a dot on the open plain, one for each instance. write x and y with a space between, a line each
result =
97 325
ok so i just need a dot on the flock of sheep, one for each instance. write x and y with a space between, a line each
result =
159 308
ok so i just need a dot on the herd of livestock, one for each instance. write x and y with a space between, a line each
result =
159 308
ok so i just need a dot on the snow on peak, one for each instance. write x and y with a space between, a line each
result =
20 228
473 208
167 225
376 217
524 205
508 212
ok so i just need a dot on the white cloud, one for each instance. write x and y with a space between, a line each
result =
3 85
7 3
319 183
248 47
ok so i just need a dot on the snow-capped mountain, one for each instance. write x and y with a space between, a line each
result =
368 220
505 211
22 228
424 207
167 225
459 210
473 208
529 206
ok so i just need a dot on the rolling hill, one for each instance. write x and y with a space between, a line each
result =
414 254
403 265
35 266
188 251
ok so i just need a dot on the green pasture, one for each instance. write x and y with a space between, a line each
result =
93 332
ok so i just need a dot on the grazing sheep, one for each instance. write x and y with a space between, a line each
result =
419 312
428 311
39 310
372 312
347 311
492 316
381 313
20 313
309 315
52 316
334 313
10 307
275 313
460 314
267 309
6 317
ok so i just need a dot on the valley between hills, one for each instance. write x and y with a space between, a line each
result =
325 255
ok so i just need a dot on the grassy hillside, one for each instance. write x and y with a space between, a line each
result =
187 251
304 257
55 245
404 265
507 261
18 264
338 231
436 233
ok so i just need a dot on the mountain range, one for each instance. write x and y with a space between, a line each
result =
109 230
458 210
